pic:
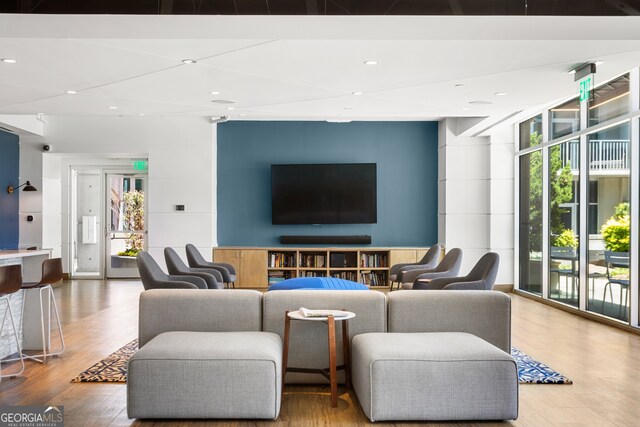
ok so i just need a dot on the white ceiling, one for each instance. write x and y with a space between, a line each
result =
303 67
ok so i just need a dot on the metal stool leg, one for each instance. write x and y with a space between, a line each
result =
42 358
15 335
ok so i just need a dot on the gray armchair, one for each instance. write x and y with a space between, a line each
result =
448 267
481 277
428 261
153 277
196 260
175 265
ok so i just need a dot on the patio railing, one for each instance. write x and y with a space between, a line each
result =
604 154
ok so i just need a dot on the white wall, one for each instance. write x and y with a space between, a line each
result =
182 168
475 196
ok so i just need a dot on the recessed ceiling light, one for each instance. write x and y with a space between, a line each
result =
214 92
370 62
113 108
8 60
223 101
458 85
500 93
189 61
480 102
71 92
231 108
356 93
142 114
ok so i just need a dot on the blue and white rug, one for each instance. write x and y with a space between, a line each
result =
530 371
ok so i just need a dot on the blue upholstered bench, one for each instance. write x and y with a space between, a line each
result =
328 283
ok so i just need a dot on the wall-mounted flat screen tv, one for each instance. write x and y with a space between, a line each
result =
340 193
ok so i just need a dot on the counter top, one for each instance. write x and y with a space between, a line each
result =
20 253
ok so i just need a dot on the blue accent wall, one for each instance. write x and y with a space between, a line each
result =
406 154
9 170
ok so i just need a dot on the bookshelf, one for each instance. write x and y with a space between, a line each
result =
369 266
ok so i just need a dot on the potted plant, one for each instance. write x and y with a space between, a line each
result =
615 232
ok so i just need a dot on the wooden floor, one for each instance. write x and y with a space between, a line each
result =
101 316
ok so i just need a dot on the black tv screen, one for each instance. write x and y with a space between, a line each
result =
341 193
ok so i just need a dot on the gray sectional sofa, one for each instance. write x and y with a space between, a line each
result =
437 355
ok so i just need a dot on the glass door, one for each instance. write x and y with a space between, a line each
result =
126 219
86 223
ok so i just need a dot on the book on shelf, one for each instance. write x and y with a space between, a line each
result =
373 260
280 259
305 312
313 261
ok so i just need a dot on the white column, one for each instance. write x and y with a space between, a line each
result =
501 208
464 194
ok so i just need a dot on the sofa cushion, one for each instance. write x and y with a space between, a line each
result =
308 340
433 376
486 314
206 375
225 310
328 283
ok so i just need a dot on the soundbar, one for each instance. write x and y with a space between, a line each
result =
325 240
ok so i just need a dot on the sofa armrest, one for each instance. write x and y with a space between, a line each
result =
409 274
395 269
477 285
197 282
210 271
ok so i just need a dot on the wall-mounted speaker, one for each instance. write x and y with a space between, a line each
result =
325 240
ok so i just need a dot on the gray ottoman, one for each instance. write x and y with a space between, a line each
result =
206 375
433 376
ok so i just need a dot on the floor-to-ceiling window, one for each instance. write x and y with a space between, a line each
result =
609 221
575 204
531 207
564 217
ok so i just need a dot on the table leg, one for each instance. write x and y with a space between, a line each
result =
285 349
346 357
332 361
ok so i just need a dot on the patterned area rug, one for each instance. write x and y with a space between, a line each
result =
114 369
530 371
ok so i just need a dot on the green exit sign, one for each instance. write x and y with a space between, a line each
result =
140 165
585 89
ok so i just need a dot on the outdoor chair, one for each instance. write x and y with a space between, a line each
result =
616 260
561 254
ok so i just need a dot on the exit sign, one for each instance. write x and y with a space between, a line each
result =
140 165
585 89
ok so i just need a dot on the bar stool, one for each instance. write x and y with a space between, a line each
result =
51 273
10 283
